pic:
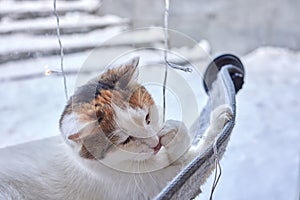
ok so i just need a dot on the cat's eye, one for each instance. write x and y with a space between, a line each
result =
127 140
147 119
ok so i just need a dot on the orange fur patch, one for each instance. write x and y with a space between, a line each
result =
141 98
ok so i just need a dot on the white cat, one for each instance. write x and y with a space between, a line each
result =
113 146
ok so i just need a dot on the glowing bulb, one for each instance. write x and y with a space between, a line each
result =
48 72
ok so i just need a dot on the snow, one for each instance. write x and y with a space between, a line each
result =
70 20
49 42
262 158
109 44
9 6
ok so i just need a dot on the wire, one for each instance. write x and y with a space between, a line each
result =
61 50
218 170
167 63
166 42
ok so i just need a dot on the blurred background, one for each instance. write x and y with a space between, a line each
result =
262 158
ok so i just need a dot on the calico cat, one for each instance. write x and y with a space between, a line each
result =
113 146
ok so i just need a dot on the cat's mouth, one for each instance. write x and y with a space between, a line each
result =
157 148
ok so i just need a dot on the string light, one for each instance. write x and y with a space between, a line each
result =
49 72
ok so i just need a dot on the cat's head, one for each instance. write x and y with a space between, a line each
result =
112 118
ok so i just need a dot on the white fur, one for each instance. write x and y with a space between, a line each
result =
71 125
133 122
50 169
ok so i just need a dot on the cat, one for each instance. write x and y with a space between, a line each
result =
113 146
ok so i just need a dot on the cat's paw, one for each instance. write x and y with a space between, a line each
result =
218 119
220 116
174 135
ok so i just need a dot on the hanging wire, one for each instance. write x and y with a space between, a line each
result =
167 63
218 170
61 50
166 42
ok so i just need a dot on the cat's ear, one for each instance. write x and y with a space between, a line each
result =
80 135
83 131
123 76
71 127
75 137
128 73
93 141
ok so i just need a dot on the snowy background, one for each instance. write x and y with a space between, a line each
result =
262 160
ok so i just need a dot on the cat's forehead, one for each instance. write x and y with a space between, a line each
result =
140 98
135 93
87 92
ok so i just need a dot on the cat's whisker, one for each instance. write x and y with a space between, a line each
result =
149 173
129 183
120 188
137 185
139 171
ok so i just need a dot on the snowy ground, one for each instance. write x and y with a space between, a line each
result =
262 160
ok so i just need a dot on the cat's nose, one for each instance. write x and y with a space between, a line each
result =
157 148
